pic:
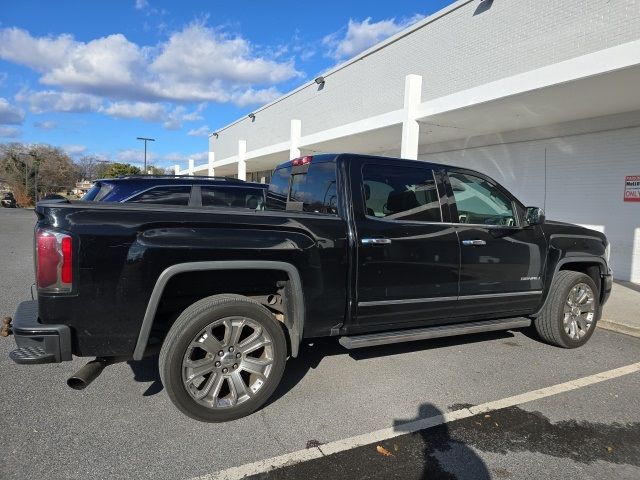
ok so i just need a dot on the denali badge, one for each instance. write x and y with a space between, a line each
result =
525 279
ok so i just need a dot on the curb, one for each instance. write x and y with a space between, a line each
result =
619 328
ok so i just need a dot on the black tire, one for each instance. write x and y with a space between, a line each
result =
185 329
549 324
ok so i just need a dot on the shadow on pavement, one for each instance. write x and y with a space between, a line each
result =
146 370
313 351
311 354
432 452
425 454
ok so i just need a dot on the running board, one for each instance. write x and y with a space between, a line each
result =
399 336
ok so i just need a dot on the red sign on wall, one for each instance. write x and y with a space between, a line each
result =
632 188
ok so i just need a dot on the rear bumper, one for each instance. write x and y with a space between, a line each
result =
607 283
37 342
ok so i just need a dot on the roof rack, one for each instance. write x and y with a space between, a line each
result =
195 177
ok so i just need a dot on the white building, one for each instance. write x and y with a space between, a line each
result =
543 96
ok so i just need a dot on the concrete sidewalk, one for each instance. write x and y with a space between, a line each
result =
622 311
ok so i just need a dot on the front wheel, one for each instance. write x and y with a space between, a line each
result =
222 358
569 315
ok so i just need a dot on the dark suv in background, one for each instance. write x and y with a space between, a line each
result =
7 200
179 190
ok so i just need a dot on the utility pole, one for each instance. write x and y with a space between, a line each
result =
145 150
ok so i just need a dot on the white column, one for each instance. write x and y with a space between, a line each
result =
410 127
212 159
242 164
191 166
176 169
296 133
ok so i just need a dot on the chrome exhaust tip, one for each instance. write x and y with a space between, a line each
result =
87 374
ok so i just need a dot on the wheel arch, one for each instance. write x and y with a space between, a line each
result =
294 320
583 264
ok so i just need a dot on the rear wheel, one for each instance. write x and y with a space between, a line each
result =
223 358
569 316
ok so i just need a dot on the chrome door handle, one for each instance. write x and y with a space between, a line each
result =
474 242
375 241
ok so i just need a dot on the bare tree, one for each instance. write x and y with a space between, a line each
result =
55 170
91 167
35 170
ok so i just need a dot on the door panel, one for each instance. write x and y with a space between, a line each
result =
407 268
501 262
502 275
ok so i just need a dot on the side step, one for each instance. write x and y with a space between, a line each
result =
399 336
31 355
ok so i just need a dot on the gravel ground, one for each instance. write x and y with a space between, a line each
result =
123 425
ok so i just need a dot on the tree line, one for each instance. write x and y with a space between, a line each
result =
34 171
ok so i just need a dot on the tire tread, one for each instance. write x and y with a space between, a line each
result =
547 324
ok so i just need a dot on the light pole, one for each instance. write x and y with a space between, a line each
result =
145 150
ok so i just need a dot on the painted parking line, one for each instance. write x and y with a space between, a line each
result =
299 456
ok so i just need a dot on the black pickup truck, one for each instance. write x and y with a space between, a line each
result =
372 250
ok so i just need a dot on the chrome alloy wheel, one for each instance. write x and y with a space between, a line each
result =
227 363
579 311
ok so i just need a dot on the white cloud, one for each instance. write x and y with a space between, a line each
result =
46 125
171 118
202 131
198 54
307 53
151 112
176 157
74 150
195 64
361 35
40 54
10 114
55 101
135 156
141 4
9 132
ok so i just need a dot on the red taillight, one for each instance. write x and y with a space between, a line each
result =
47 272
54 261
302 161
66 270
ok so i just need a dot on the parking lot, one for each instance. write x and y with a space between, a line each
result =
124 426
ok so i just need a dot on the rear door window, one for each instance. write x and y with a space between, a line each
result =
400 193
279 189
252 198
99 191
316 189
167 195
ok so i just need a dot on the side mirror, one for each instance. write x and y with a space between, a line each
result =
534 216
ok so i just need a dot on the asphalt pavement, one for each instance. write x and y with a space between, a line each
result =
124 426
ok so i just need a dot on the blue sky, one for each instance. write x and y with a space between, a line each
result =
92 76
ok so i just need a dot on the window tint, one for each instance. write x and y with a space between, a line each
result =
316 189
278 189
401 193
232 197
178 195
480 202
98 192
